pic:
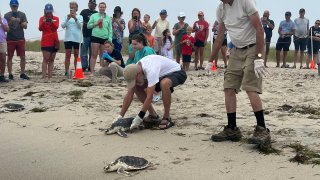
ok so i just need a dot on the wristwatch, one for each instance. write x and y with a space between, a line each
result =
259 55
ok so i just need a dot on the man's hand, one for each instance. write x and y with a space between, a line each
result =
259 68
136 122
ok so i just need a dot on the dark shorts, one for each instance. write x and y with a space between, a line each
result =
300 43
225 42
19 46
49 49
177 78
199 43
98 40
283 44
71 44
316 47
186 58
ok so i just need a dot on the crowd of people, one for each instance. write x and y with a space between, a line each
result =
151 66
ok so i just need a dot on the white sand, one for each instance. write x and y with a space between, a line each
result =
64 142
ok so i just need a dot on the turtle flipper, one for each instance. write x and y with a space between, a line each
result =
122 133
122 171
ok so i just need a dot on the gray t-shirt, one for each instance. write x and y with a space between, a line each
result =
236 20
302 26
16 31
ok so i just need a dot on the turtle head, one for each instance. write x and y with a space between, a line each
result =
111 167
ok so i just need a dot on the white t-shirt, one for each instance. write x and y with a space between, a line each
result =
155 66
302 25
236 20
160 27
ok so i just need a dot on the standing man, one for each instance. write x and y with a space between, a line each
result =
201 29
17 21
3 47
153 73
86 46
300 38
268 26
286 30
160 25
245 68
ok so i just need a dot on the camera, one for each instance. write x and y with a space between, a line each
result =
135 17
48 20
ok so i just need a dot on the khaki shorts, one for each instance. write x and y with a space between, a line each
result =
240 71
3 47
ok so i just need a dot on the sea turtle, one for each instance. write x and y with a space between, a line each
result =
127 163
120 126
12 107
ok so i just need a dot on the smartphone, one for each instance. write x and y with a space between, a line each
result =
114 15
48 20
135 17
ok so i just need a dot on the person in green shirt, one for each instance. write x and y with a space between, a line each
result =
101 26
140 45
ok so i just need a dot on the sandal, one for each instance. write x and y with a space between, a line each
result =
167 123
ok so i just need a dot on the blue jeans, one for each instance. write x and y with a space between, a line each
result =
84 52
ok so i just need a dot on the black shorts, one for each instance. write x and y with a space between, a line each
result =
177 78
300 43
71 44
199 44
186 58
98 40
283 43
49 49
225 42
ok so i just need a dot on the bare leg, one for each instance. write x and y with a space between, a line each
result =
94 54
76 55
45 61
285 57
196 57
255 101
165 85
141 94
2 63
50 65
9 64
301 57
201 49
224 55
278 58
67 60
295 58
22 64
230 100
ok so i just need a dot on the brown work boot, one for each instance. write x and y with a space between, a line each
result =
260 135
227 134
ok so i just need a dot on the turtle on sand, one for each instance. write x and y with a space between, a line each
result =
120 126
127 163
12 107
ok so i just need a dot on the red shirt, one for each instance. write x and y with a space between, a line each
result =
49 31
186 48
151 40
202 29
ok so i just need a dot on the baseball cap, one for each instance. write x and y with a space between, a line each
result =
92 2
201 13
130 75
48 8
288 13
163 11
182 14
14 3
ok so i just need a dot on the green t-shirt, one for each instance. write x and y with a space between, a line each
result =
182 32
130 60
105 32
145 51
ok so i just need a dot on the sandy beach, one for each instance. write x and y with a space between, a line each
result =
64 142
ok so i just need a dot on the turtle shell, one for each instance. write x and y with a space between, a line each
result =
12 107
123 122
133 163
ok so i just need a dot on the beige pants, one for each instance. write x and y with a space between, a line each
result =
113 71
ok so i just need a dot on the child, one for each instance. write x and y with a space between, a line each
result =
145 23
187 42
149 37
166 44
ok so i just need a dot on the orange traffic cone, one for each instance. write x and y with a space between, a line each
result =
214 67
79 72
312 65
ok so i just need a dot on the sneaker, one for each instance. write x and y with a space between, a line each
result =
227 134
3 79
24 76
11 77
260 135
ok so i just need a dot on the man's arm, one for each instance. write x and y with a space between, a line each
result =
127 101
255 21
218 41
148 100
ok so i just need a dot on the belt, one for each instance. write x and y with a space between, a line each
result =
246 47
